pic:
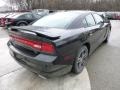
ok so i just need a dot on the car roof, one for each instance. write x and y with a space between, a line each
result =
74 12
15 15
79 11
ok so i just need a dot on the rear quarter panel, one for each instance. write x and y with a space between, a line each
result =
68 48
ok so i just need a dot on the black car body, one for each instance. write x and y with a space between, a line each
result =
51 46
21 19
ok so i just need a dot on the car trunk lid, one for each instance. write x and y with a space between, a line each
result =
48 33
33 38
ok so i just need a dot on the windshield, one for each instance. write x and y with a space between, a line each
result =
57 20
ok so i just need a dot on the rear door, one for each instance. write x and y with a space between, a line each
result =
102 29
94 33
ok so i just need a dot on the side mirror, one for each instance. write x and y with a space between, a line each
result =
106 20
102 23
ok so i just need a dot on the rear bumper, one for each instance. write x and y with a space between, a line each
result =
41 64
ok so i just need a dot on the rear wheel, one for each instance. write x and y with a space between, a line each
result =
81 60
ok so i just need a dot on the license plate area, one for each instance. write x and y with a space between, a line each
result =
25 60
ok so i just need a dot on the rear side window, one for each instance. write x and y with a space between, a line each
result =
90 20
98 18
26 16
29 16
84 23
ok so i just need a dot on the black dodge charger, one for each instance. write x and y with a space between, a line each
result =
58 43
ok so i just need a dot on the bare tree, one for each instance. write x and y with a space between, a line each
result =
98 5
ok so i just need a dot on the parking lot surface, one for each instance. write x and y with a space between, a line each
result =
104 64
101 73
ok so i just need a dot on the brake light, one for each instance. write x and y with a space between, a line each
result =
38 45
3 21
11 20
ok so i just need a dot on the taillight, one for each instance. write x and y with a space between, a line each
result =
38 45
3 21
11 20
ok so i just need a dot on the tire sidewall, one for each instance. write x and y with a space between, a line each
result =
75 66
108 36
20 23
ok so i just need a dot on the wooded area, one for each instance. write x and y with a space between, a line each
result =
97 5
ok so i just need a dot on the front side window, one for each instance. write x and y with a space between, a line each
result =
90 20
98 18
28 16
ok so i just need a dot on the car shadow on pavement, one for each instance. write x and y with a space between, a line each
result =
26 80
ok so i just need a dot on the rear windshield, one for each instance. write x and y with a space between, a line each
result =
56 20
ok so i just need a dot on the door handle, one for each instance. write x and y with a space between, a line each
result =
90 34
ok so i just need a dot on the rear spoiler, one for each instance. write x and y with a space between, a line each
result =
36 33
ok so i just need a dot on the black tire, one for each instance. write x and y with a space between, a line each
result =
108 36
81 60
